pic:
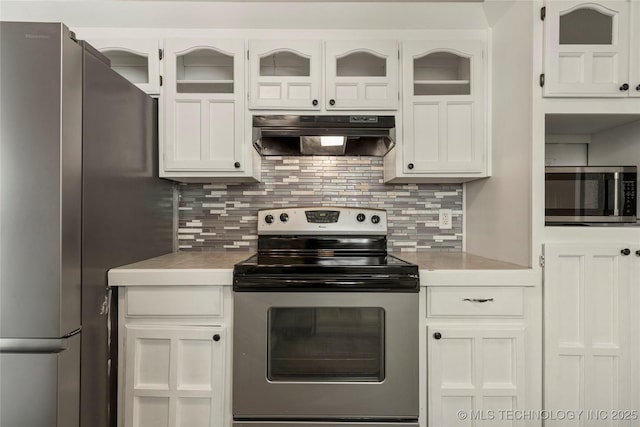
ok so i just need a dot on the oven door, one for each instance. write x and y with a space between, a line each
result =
325 356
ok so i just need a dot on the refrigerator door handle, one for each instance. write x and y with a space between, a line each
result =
35 345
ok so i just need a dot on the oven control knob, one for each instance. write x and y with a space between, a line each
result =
360 217
284 217
375 219
268 219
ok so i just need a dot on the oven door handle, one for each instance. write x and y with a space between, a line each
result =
381 282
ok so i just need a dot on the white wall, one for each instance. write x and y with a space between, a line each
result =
619 146
498 215
249 14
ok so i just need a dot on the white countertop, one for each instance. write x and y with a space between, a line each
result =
216 268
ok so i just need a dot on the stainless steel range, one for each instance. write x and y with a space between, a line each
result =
325 323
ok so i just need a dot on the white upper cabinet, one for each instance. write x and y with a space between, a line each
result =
285 74
361 75
444 112
358 75
137 60
203 110
591 48
634 80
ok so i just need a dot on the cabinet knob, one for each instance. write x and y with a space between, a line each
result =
314 102
638 252
437 335
332 102
236 165
638 88
410 165
625 251
216 337
624 87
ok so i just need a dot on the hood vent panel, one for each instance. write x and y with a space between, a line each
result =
289 135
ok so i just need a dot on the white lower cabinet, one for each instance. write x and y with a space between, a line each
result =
174 376
479 356
592 334
174 357
476 373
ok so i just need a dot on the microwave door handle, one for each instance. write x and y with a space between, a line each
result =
616 194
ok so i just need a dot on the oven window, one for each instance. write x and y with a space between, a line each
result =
326 344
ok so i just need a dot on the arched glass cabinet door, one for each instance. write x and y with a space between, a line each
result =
203 108
444 109
284 74
361 75
137 60
634 79
586 48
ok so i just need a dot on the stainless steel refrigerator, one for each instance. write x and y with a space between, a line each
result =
79 194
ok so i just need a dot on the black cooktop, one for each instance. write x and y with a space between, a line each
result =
324 249
325 272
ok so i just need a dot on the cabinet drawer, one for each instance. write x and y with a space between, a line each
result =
475 301
175 301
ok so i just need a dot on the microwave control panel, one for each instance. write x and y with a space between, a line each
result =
629 195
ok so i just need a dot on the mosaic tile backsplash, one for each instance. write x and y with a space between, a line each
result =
224 216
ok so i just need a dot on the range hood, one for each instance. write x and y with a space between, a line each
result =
344 135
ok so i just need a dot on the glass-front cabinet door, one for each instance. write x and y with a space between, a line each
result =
285 74
634 90
137 60
587 48
361 75
444 115
203 106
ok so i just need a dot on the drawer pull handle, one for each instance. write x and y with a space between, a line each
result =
478 299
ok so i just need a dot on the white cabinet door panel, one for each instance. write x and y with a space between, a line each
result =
361 74
444 121
285 74
477 369
203 106
137 60
634 72
586 63
174 376
587 335
443 137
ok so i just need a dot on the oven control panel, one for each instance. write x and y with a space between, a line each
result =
322 220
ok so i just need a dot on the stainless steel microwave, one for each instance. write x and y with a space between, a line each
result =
590 194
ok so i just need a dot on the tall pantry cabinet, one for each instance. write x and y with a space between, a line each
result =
592 332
